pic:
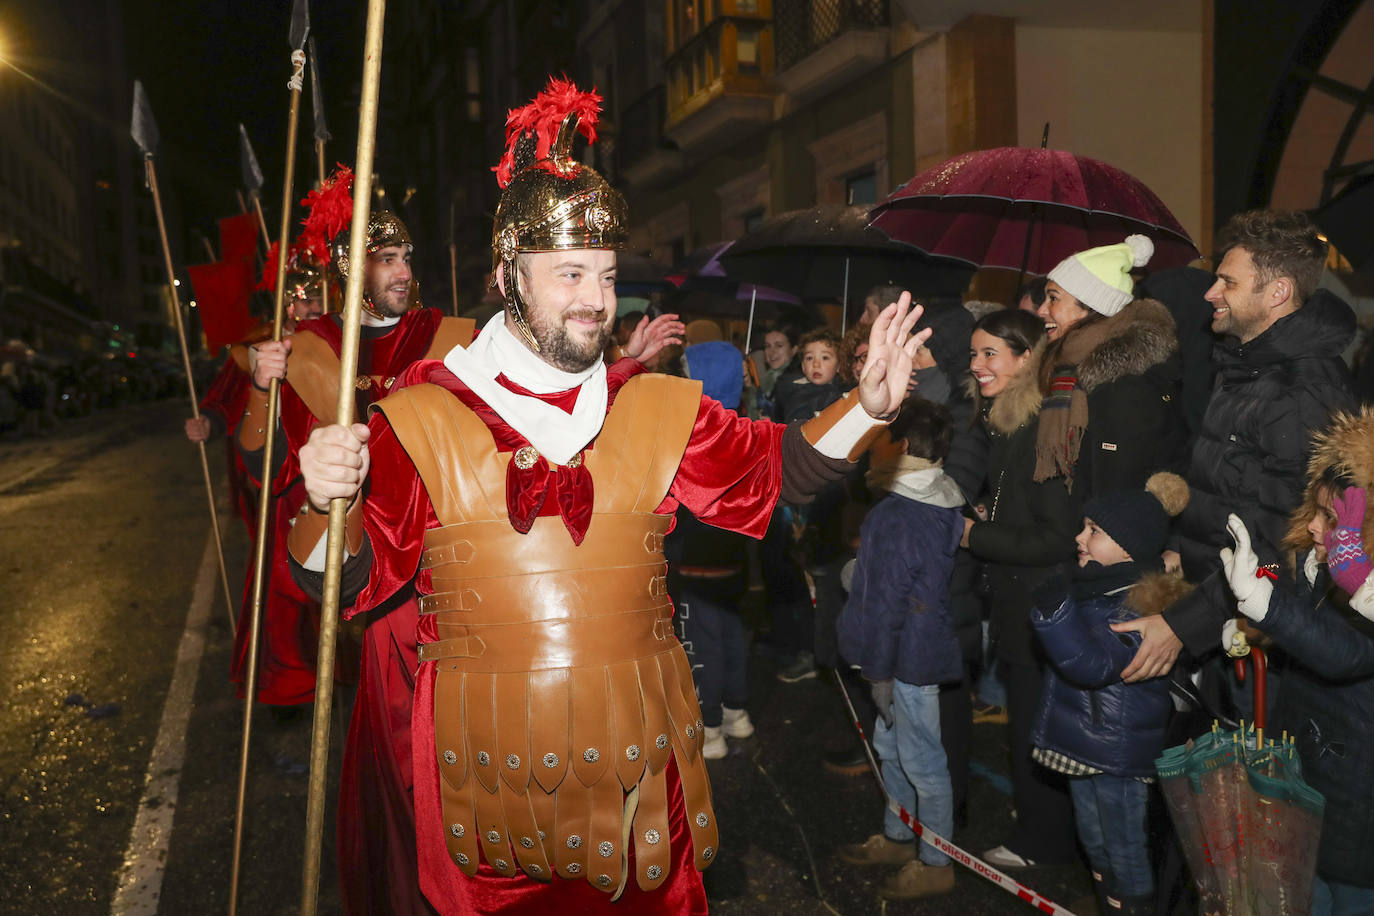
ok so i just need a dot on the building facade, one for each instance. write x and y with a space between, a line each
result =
750 108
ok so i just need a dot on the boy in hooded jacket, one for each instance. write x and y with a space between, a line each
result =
897 628
1101 732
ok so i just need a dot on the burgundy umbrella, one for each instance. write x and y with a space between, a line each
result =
1028 209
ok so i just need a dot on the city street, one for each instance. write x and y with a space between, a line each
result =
111 592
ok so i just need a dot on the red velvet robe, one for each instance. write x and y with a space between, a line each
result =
290 622
729 476
225 400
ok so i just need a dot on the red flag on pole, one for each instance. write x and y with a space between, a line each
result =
224 292
238 236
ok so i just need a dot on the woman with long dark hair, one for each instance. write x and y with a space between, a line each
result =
1027 532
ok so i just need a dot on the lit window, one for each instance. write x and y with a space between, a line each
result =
747 49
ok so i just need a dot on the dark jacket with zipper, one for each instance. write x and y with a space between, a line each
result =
1086 712
1031 526
1250 458
1326 703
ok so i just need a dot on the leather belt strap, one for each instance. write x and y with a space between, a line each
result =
485 549
458 647
518 599
552 643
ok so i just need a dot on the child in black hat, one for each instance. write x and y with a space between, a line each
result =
1102 733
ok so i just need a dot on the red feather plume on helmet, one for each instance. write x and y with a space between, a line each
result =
541 118
331 212
268 283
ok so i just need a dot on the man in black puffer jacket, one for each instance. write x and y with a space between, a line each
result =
1279 379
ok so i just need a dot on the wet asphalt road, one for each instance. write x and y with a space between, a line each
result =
103 527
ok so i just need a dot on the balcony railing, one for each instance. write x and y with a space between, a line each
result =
802 27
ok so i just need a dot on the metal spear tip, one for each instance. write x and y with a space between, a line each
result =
317 95
248 163
144 126
300 24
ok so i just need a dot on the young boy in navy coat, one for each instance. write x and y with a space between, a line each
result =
1103 733
897 628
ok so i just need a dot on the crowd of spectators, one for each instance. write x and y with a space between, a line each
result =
1057 514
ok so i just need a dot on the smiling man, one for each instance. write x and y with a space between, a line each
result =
522 488
1279 379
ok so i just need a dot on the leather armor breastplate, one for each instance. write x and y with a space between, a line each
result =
560 687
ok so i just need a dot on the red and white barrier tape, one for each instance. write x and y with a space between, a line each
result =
964 858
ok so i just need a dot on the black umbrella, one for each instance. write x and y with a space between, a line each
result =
639 275
832 252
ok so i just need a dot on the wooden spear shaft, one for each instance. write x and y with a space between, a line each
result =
319 183
190 380
338 508
262 220
265 507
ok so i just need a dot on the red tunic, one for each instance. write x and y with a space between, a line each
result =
729 476
290 621
224 402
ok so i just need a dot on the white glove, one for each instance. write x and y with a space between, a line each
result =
1233 641
1251 587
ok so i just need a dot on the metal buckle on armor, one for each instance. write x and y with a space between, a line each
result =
459 552
663 628
653 542
462 600
458 647
658 587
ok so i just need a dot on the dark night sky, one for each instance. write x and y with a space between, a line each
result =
209 64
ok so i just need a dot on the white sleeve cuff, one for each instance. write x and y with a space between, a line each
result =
1363 599
840 439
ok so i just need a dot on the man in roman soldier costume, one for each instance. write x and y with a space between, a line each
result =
522 488
222 406
397 333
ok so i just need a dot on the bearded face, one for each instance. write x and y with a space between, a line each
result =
387 280
569 304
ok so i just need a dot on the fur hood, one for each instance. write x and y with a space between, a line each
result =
1155 592
1141 335
1347 444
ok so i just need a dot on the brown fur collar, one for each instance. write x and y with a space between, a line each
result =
1020 400
1348 445
1139 336
1155 592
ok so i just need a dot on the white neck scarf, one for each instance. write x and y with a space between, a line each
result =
556 435
373 321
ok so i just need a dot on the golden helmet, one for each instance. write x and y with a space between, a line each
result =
384 230
326 230
549 200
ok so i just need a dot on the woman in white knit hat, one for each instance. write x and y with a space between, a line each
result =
1109 376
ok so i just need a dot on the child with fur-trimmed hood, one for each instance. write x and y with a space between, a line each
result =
1101 732
1320 613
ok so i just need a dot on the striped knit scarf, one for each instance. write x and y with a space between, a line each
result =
1064 410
